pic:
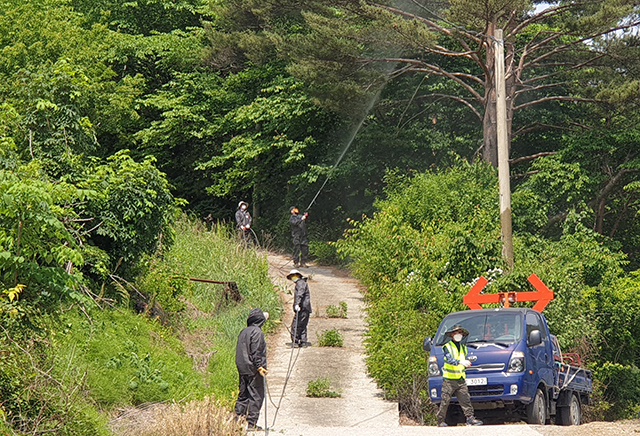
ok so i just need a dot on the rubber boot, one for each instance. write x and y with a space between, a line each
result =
471 420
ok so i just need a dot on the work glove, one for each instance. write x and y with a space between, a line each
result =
248 227
263 372
297 308
465 363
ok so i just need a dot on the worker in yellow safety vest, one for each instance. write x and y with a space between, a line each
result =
453 376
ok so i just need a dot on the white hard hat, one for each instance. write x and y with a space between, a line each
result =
294 272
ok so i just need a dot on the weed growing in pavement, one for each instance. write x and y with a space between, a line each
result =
330 338
339 311
321 388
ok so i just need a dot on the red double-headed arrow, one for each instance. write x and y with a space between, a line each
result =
543 295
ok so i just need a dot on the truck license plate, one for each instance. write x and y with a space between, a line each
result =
477 381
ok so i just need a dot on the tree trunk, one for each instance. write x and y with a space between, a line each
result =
490 137
255 203
490 140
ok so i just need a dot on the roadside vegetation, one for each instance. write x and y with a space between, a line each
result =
330 338
339 311
76 365
117 117
438 231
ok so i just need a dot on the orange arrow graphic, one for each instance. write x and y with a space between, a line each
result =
543 295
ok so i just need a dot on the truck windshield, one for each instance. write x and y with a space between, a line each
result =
500 328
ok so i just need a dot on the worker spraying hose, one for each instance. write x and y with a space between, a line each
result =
298 225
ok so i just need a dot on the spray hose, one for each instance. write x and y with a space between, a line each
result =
352 136
292 363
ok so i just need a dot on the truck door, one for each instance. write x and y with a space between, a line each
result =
541 355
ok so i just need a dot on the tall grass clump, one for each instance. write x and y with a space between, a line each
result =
195 418
212 319
321 388
339 311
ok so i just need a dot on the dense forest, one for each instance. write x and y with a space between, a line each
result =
118 116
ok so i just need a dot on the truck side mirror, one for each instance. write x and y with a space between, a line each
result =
535 338
426 344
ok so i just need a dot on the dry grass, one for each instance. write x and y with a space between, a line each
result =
197 418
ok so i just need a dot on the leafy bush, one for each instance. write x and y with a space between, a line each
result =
339 311
321 388
330 338
134 206
621 388
324 252
39 396
435 234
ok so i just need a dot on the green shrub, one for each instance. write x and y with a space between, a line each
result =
324 252
321 388
330 338
438 232
620 389
39 396
339 311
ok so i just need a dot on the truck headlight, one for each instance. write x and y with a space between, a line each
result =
434 370
516 363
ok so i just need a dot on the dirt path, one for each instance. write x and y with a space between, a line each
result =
361 403
361 411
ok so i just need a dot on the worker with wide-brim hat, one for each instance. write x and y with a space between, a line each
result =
455 328
243 223
454 375
301 307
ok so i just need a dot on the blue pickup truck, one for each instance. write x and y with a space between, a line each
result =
517 370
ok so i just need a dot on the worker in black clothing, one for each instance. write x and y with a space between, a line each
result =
251 361
299 234
243 222
302 309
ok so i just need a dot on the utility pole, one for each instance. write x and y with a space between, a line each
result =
503 151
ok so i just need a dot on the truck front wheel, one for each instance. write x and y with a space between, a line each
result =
537 409
571 414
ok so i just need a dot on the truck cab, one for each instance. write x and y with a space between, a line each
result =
516 370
